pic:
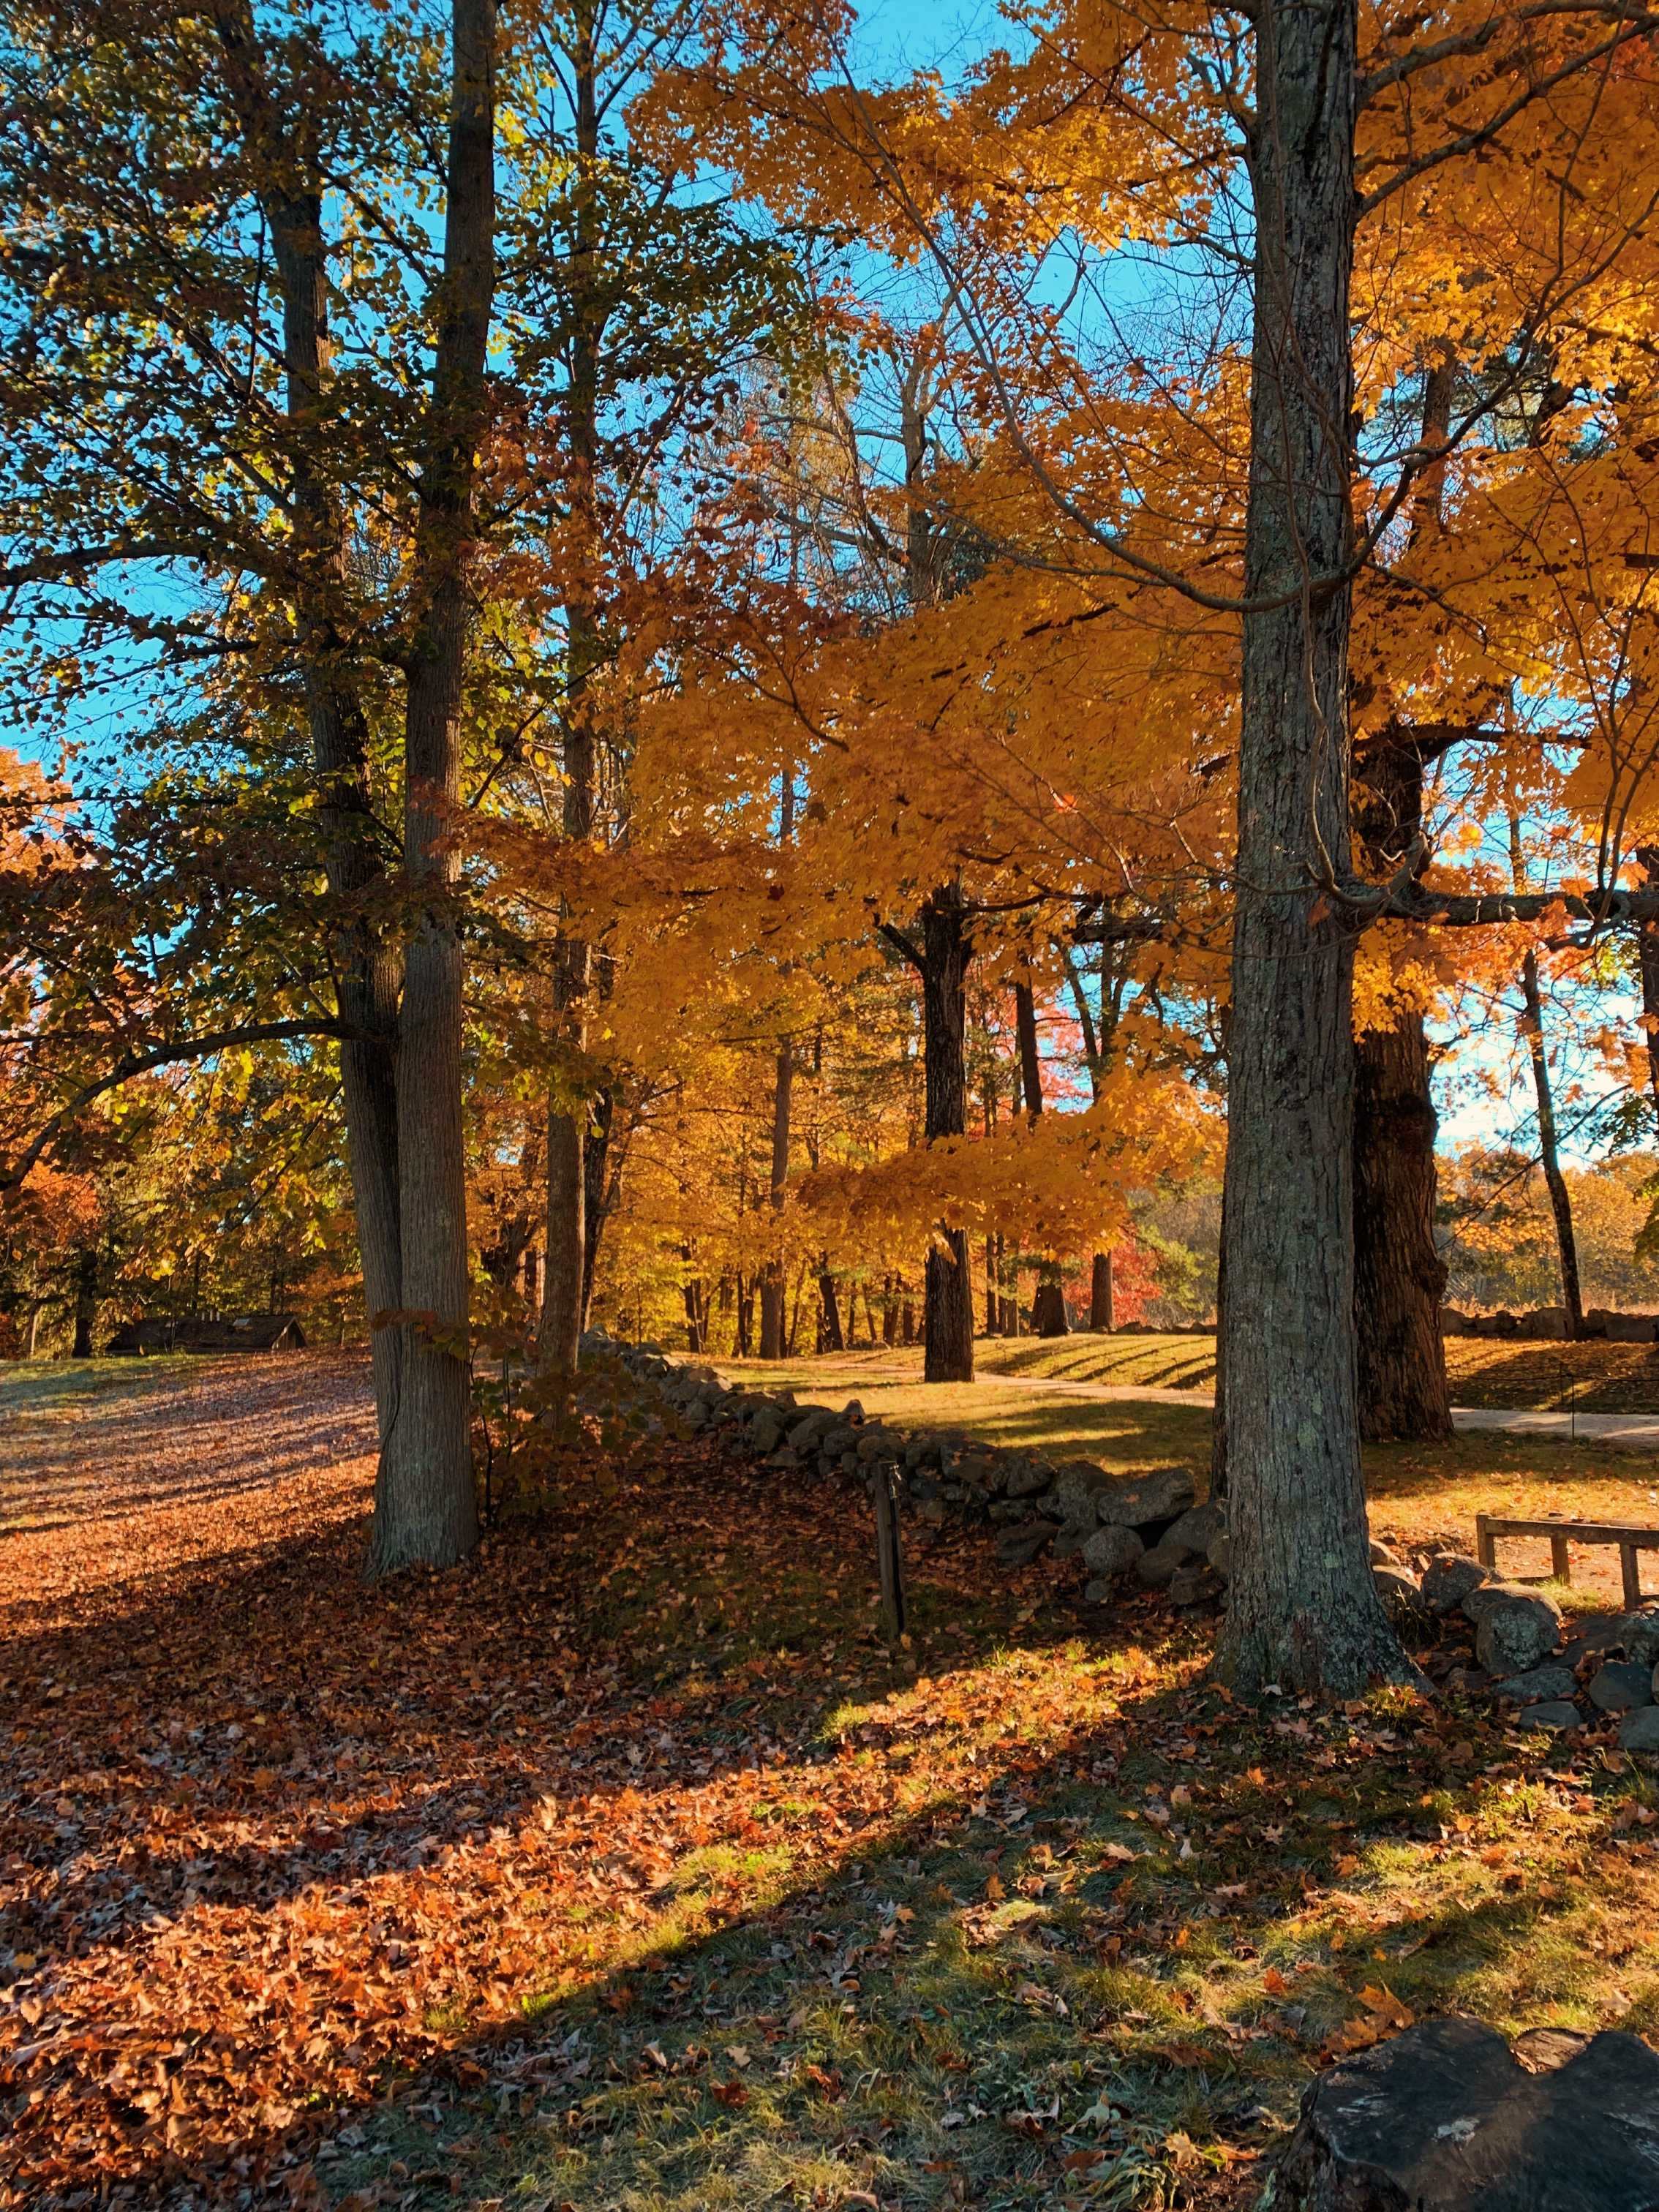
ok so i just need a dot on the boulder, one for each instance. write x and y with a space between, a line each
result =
1159 1568
1515 1628
1195 1585
1018 1547
1112 1551
1639 1634
1077 1490
1453 1323
766 1430
1630 1329
1537 1684
1198 1530
1548 1324
1639 1731
1028 1478
1448 1579
809 1432
1446 2118
1382 1557
1553 1716
1402 1600
1164 1495
1596 1636
1597 1320
1620 1685
1219 1556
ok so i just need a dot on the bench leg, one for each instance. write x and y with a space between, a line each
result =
1629 1561
1560 1565
1486 1544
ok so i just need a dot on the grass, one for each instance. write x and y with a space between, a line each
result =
1598 1378
652 1882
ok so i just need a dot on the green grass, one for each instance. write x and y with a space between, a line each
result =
49 1386
1597 1378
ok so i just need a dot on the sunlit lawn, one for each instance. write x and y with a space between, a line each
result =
626 1869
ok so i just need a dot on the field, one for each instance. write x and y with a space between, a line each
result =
660 1885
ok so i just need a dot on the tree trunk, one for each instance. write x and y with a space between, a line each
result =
1101 1315
1048 1302
1548 1148
368 966
31 1332
568 1279
86 1303
1303 1609
1398 1276
772 1280
425 1512
829 1307
948 1323
597 1193
1647 947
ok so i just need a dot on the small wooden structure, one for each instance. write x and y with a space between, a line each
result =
245 1332
1489 1527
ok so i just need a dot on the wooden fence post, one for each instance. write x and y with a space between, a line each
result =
890 1562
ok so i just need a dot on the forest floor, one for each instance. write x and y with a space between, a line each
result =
624 1867
1594 1377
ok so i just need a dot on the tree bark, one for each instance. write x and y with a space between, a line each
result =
86 1303
1048 1302
829 1309
1103 1316
1647 953
1398 1276
1302 1610
425 1512
948 1321
598 1194
772 1281
369 966
1549 1153
559 1348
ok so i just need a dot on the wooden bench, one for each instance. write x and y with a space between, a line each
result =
1489 1527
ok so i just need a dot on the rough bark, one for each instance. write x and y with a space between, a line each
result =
1647 947
1303 1609
1549 1151
772 1282
425 1512
1049 1301
830 1311
599 1187
86 1303
1398 1276
368 965
1102 1305
948 1322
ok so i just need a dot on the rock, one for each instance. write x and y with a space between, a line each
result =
809 1432
1467 1681
1548 1323
1620 1685
1448 1579
1638 1633
1159 1568
1382 1557
1077 1487
1028 1478
1630 1329
1018 1547
1555 1716
766 1430
1537 1683
1164 1495
1402 1600
1112 1551
1639 1731
696 1416
1195 1585
1446 2118
851 1410
1198 1530
1595 1636
1219 1556
1515 1628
